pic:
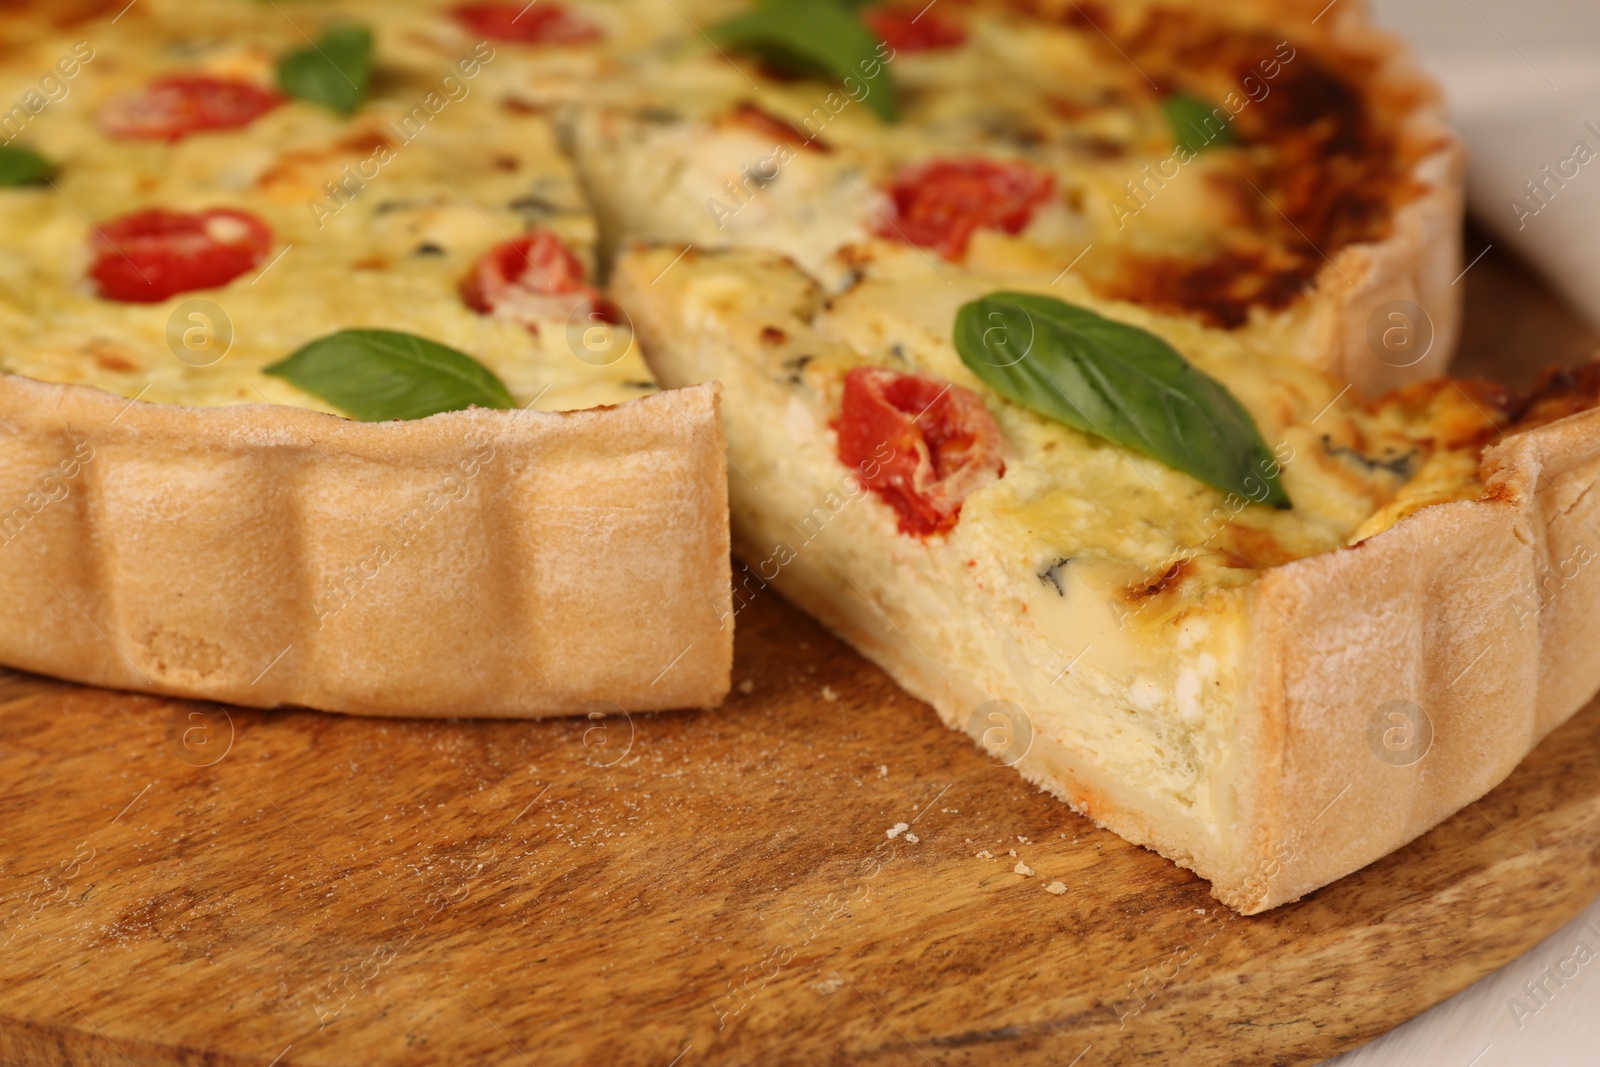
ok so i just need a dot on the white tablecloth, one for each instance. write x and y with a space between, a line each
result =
1541 1010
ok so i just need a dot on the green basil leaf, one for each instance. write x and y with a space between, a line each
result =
1118 382
376 375
814 37
1195 124
18 166
334 72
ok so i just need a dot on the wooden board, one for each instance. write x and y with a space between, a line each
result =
616 891
187 883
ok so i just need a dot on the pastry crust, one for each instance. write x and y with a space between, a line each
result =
486 563
1420 259
1449 611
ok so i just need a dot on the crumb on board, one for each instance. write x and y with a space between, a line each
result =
897 829
913 838
883 770
1011 852
986 855
1056 888
828 986
747 686
829 695
1023 869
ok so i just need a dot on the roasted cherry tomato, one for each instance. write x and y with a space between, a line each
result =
534 277
909 31
920 444
150 255
545 22
173 107
941 203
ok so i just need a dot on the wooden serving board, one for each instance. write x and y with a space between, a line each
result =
191 883
183 883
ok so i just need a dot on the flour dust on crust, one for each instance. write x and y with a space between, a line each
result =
474 563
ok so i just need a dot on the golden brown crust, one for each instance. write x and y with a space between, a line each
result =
1453 612
1395 682
1419 259
491 563
1354 646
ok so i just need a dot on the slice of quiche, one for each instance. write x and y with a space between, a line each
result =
1251 166
1214 600
249 219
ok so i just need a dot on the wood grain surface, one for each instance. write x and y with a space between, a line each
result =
187 883
183 883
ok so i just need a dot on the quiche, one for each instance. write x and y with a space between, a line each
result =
1272 685
1276 169
181 509
1080 365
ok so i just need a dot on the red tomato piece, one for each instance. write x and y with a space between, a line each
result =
173 107
941 203
534 277
906 31
922 445
544 22
148 256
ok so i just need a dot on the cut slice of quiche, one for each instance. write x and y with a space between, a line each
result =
335 211
1249 166
1214 600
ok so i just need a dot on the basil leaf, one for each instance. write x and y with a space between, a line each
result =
18 166
814 37
1195 125
334 72
376 375
1118 382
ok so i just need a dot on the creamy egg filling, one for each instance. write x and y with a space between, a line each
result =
376 218
668 158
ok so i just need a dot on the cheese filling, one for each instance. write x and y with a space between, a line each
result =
687 144
376 219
